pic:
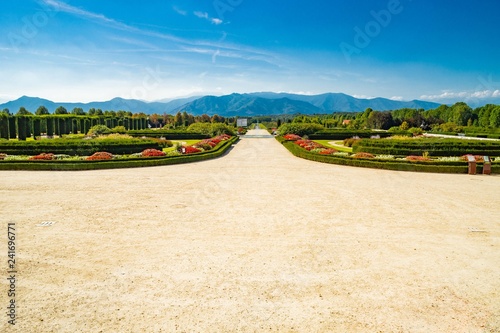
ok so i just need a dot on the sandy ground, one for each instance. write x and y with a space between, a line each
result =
257 240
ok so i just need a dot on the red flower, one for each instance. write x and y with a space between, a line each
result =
43 157
292 137
191 150
152 153
363 155
100 156
328 151
417 158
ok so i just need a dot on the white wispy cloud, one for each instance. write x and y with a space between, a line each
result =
465 95
236 51
204 15
180 11
363 96
397 98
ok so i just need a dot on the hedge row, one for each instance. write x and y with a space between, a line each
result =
471 134
76 147
217 151
22 127
434 167
434 147
169 135
346 134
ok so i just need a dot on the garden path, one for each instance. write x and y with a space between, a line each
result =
256 240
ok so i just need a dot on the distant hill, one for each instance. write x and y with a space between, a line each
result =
263 103
338 102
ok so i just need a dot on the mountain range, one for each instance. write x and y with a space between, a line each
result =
252 104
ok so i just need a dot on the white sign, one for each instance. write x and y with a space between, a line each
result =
243 122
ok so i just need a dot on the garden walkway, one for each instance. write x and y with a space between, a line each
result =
257 240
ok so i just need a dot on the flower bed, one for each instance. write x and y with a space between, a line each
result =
420 163
308 144
152 153
418 158
363 155
206 144
292 137
100 156
43 157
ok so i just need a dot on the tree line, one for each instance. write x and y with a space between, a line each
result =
444 118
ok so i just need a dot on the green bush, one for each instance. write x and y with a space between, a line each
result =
119 130
300 128
210 129
99 130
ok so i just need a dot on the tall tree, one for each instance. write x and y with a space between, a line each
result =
41 110
78 111
23 112
61 110
495 117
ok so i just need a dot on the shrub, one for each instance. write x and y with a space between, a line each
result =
418 158
416 131
99 130
152 153
211 129
204 146
363 155
162 142
119 129
100 156
350 142
300 129
328 151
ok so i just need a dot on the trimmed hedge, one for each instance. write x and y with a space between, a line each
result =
300 128
169 135
217 151
75 147
433 146
347 134
434 166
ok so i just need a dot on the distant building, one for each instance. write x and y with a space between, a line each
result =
346 122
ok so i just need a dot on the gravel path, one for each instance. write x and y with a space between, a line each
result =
257 240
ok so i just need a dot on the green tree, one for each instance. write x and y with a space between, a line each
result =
23 112
4 125
61 110
461 113
78 112
495 117
178 119
380 120
42 110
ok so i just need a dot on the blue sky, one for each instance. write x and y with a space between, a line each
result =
88 50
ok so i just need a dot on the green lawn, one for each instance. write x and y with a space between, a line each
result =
340 146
